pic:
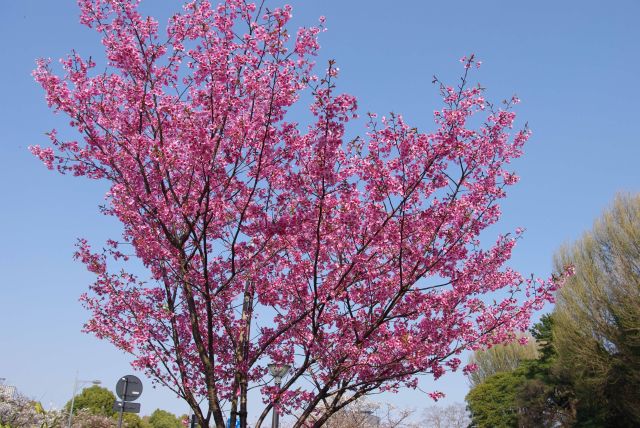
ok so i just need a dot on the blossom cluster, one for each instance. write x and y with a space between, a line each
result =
357 262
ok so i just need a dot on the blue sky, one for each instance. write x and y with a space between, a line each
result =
573 64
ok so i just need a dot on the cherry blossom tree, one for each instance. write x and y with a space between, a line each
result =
355 261
19 411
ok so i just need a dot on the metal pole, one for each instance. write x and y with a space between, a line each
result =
124 394
275 421
73 400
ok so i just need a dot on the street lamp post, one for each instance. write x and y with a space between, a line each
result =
278 371
77 383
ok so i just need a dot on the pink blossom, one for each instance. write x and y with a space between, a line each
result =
356 261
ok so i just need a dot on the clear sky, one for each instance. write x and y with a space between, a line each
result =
574 64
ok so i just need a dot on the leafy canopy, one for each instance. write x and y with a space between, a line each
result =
95 399
163 419
597 316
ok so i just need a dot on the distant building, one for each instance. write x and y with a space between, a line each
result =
369 419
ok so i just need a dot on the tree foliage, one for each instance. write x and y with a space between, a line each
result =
96 399
597 317
588 371
532 395
357 261
131 420
493 402
18 411
501 358
546 398
84 418
163 419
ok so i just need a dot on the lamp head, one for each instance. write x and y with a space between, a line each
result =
278 371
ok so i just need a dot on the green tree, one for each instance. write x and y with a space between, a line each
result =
131 420
163 419
597 317
501 358
492 403
532 395
546 398
97 400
